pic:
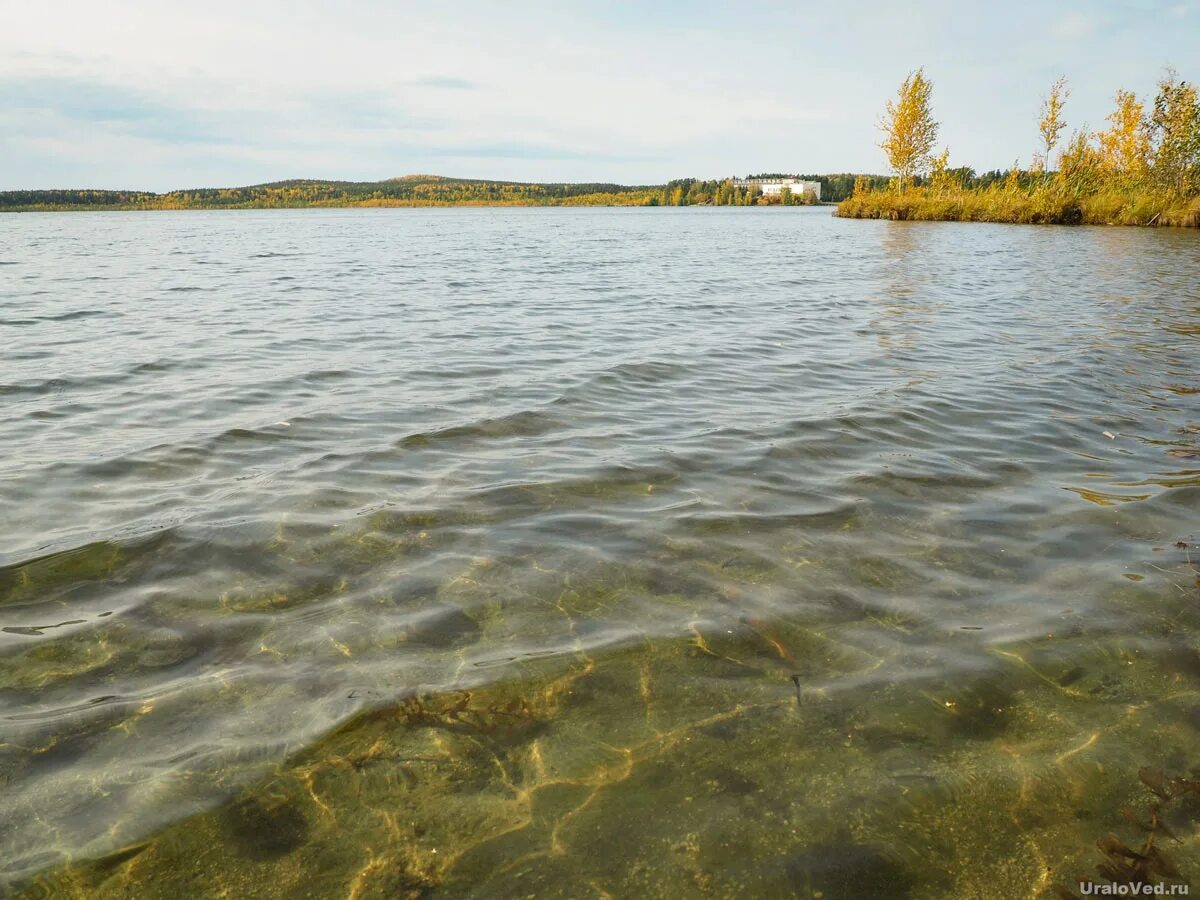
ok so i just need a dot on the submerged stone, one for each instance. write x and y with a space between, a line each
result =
262 829
444 626
848 871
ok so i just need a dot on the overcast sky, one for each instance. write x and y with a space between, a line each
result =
162 95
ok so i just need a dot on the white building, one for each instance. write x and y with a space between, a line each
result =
772 187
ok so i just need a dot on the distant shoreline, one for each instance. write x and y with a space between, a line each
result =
428 191
831 205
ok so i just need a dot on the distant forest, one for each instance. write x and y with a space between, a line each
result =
425 190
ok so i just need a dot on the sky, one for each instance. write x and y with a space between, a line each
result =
159 94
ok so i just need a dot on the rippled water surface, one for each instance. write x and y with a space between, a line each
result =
679 553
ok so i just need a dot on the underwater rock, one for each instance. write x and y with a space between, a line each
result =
444 626
981 711
1072 676
730 781
264 829
165 648
115 860
848 871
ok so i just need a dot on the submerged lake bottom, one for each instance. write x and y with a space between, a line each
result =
596 552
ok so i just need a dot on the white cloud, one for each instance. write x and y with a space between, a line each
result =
1077 25
540 91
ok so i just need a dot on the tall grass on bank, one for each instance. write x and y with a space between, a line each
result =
1048 203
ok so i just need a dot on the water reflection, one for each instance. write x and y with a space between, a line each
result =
908 305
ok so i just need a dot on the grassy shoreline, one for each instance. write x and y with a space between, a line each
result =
1027 207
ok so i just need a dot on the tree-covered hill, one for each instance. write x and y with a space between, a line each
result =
408 190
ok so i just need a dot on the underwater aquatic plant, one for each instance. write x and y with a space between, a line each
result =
1148 864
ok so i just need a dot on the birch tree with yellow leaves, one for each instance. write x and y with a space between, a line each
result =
1125 145
1051 124
1175 127
909 128
940 181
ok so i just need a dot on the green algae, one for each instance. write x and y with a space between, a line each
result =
37 578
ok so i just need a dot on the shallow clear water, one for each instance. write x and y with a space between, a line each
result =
637 552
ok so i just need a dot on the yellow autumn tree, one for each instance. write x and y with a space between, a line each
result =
1012 181
1079 163
1051 124
909 128
1174 125
1125 145
939 173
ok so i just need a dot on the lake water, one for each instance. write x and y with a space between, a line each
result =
592 552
